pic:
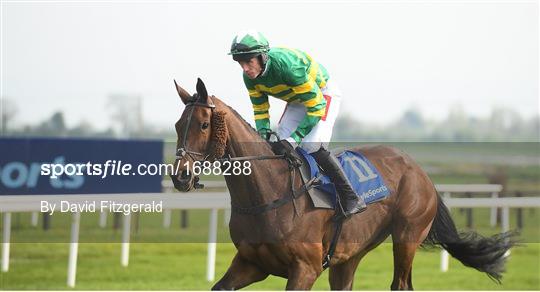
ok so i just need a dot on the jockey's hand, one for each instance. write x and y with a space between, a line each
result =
286 148
282 147
264 133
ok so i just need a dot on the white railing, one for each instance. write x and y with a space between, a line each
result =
492 190
476 189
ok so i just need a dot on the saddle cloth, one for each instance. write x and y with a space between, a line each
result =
363 175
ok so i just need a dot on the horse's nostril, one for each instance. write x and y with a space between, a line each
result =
183 182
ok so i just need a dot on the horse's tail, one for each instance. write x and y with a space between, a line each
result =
486 254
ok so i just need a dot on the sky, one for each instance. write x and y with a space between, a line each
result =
386 56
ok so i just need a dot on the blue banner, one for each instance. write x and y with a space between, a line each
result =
30 166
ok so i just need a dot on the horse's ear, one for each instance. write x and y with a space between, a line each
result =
201 90
184 95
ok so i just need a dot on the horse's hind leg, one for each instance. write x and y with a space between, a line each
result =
342 275
412 221
403 259
240 274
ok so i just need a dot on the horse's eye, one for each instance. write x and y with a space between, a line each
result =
204 125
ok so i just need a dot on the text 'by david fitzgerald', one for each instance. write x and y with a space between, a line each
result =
100 206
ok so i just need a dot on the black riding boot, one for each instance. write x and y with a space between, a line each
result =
351 203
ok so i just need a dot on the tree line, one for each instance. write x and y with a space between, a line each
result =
502 125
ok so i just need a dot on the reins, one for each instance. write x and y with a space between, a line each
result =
295 193
254 210
246 158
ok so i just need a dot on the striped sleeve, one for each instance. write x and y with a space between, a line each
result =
260 104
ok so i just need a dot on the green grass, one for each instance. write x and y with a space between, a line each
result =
168 266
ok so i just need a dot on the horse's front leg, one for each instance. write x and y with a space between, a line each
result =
303 275
306 267
240 274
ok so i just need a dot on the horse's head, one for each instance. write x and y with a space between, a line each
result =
201 135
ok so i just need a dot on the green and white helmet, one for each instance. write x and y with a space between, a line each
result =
248 44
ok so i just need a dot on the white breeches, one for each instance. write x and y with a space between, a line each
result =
321 134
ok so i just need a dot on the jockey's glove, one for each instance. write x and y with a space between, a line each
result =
264 133
284 147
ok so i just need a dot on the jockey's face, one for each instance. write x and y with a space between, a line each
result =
252 68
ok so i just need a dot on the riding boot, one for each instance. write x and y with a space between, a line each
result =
351 203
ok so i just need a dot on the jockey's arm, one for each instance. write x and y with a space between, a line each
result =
260 104
259 101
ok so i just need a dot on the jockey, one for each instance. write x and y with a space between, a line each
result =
312 98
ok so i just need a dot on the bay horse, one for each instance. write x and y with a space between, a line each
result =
290 240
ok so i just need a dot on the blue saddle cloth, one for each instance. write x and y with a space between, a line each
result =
363 175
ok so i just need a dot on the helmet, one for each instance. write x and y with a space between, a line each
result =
249 44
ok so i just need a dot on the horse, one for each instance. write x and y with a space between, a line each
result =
290 239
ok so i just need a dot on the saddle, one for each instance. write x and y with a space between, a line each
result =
363 175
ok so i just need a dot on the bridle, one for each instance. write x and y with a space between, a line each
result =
182 151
